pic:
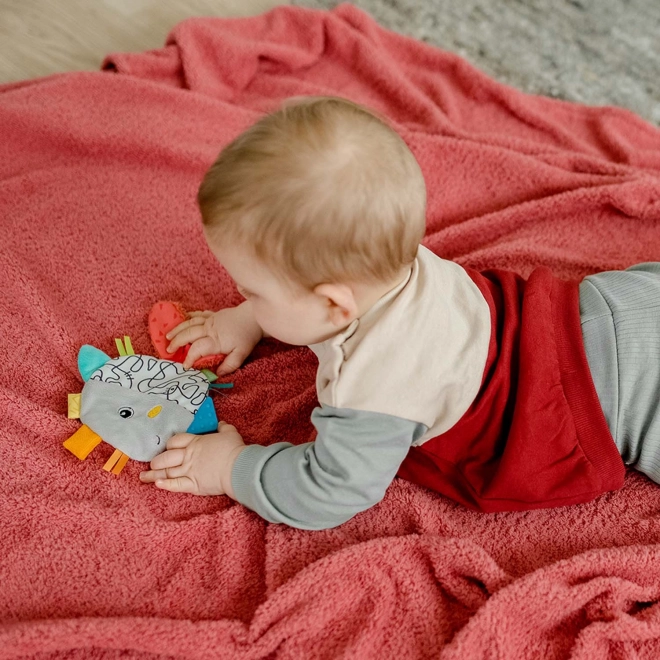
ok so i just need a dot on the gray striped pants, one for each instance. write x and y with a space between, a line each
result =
620 316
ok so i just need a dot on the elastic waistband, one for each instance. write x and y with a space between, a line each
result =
590 422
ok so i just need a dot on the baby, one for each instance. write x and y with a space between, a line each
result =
498 392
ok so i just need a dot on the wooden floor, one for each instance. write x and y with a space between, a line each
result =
40 37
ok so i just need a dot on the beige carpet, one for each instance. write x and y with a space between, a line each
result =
598 52
40 37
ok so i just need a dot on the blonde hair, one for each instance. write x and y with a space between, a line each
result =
322 190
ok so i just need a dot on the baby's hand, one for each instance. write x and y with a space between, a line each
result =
232 332
197 464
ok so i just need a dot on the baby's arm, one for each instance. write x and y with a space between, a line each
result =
324 483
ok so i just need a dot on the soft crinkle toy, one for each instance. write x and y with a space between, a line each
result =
136 403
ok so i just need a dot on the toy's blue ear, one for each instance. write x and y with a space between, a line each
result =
206 421
89 360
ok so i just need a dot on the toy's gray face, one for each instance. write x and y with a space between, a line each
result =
137 424
136 403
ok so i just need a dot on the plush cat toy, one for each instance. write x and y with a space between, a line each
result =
136 403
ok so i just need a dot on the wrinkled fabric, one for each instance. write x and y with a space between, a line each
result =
98 177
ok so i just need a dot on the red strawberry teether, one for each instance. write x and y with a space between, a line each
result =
163 317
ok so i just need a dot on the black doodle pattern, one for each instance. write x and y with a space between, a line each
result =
187 387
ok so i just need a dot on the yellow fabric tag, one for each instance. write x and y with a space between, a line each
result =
74 406
129 346
120 347
81 443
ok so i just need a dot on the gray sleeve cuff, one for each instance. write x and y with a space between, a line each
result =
246 478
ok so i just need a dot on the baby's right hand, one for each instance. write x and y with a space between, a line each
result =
232 332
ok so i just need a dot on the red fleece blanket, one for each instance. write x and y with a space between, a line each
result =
97 207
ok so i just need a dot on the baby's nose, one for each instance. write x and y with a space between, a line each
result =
155 411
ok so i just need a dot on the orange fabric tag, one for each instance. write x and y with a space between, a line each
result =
112 461
116 462
82 442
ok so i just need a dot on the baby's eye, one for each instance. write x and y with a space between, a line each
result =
126 412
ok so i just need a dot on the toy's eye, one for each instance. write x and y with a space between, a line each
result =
126 412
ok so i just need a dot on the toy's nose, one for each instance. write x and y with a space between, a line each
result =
154 412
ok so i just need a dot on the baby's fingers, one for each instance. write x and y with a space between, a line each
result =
200 348
178 485
149 476
195 320
169 459
232 362
186 336
180 441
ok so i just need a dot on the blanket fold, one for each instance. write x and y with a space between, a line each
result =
98 177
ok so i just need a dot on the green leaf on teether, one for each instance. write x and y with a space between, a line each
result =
210 375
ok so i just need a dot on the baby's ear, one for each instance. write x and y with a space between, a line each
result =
342 306
89 360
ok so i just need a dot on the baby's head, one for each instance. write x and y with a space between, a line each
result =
316 211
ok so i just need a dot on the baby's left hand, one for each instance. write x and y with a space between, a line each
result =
197 464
